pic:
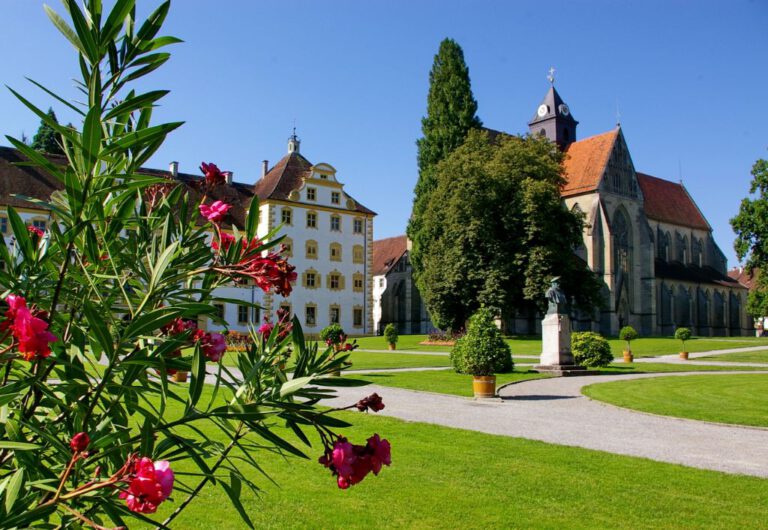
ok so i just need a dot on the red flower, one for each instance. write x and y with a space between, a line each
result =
372 402
226 242
213 346
79 442
213 175
352 463
150 484
30 331
380 453
35 231
216 212
177 326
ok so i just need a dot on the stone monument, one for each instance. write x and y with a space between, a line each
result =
556 356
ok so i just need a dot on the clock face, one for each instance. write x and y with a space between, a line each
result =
564 110
543 109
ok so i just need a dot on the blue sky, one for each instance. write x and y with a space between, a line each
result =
688 78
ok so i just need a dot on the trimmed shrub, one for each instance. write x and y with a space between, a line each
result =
333 335
390 334
628 334
591 349
683 334
482 351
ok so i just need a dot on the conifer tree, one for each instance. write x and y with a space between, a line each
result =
46 139
451 113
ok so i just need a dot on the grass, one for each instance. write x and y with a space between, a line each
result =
739 399
449 478
449 382
746 357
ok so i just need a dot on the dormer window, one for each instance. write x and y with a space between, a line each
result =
336 197
324 177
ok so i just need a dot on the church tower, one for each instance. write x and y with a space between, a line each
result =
553 118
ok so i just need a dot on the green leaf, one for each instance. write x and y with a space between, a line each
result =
158 269
131 104
198 378
114 21
21 233
293 385
37 158
84 33
252 221
151 321
64 28
233 490
13 489
98 329
340 381
141 137
92 136
18 446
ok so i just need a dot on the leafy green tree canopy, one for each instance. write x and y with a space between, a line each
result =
751 227
451 113
495 231
47 140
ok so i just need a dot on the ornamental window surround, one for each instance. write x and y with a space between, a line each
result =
310 279
357 317
335 197
335 281
358 254
311 249
311 219
335 223
287 216
335 251
358 282
311 194
357 226
334 314
310 315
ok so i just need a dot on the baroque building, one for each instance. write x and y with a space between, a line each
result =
328 236
645 238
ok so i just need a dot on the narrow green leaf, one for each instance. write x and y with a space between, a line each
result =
98 329
198 378
84 33
137 102
252 220
65 29
21 233
233 490
13 489
18 446
293 385
92 136
151 321
114 22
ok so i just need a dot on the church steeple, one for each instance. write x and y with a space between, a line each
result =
553 118
294 143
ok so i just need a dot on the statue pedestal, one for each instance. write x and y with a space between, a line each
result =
556 356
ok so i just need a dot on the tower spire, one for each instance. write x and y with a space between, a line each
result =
553 118
293 142
551 76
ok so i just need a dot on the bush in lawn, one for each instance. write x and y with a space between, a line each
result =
590 349
482 351
683 334
628 334
333 335
390 334
103 305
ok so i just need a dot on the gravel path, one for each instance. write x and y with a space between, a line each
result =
554 411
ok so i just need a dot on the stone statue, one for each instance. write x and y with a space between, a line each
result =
556 297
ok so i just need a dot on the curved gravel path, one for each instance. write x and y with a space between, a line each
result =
555 411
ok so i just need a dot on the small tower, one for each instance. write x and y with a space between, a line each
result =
553 118
294 143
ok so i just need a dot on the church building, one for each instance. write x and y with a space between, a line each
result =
645 238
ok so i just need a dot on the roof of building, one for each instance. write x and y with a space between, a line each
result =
24 180
585 162
387 252
670 202
692 273
555 107
747 278
288 175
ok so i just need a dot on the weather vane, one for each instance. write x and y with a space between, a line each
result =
551 76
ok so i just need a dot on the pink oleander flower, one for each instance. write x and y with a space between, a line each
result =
350 463
79 442
35 231
150 483
30 331
380 452
213 346
226 242
177 326
216 212
266 328
372 402
213 175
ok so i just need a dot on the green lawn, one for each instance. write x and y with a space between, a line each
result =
449 382
741 399
448 478
746 357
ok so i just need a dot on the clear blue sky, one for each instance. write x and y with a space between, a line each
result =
689 78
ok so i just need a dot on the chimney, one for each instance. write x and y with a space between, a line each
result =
173 167
228 177
264 167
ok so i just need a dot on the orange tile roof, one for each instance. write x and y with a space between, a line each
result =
585 162
386 252
670 202
745 277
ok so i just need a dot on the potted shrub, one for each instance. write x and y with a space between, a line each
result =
390 334
628 334
590 349
683 334
334 336
482 353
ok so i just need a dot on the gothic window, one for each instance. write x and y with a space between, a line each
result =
621 244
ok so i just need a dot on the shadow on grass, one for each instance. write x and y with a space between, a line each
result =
538 397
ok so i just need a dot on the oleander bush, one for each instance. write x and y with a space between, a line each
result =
590 349
482 350
102 306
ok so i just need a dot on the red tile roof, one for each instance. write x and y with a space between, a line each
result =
745 277
670 202
585 162
288 175
386 252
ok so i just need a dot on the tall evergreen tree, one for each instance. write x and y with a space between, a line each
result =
451 113
47 140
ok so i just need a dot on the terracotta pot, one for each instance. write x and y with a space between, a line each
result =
392 346
484 386
180 377
337 373
684 355
628 357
